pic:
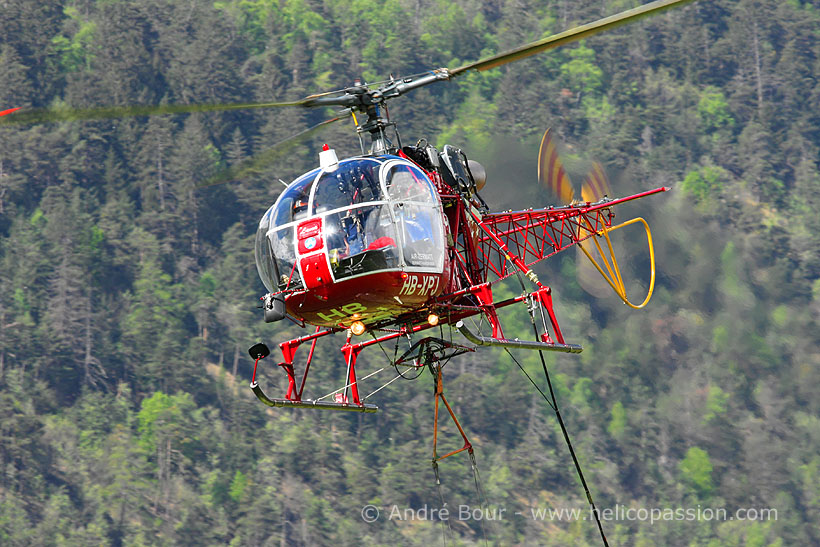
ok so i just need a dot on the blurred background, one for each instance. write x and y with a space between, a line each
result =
128 295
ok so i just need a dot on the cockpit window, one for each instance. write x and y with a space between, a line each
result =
264 261
275 255
361 240
281 247
376 214
293 203
407 183
352 183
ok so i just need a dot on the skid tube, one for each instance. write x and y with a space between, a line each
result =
521 344
289 403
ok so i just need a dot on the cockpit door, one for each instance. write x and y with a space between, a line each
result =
417 214
309 242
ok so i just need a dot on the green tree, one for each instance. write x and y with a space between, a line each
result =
696 470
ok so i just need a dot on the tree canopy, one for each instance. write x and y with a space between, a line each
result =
128 295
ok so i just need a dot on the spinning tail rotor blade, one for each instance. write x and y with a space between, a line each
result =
594 188
568 36
551 172
259 162
596 185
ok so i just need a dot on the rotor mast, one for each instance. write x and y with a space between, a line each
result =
370 102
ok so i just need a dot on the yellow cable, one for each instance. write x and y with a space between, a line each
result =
612 274
614 279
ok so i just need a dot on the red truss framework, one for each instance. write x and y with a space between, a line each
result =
514 241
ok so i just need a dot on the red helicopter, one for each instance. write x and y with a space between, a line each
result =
398 240
395 244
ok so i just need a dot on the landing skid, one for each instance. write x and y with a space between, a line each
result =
520 344
324 405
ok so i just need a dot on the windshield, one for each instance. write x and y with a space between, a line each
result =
353 182
275 255
361 240
407 183
292 205
417 215
373 214
264 262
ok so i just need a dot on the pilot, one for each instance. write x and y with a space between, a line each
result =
379 228
416 224
358 187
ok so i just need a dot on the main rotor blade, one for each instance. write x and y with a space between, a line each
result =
257 163
568 36
346 98
9 111
41 115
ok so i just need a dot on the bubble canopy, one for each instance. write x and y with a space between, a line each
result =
360 216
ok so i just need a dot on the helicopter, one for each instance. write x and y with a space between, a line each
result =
397 241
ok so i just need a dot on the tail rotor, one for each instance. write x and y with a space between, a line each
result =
596 186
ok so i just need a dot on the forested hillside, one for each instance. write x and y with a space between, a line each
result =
128 295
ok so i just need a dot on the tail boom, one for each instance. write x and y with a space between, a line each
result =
514 241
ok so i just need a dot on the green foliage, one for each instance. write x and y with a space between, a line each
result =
581 74
75 51
304 24
128 295
473 123
696 470
238 486
253 18
714 111
582 393
720 337
705 183
716 402
454 34
162 417
617 421
599 112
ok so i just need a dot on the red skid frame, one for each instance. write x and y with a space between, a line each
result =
351 351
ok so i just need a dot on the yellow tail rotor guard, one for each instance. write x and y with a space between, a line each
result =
613 273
